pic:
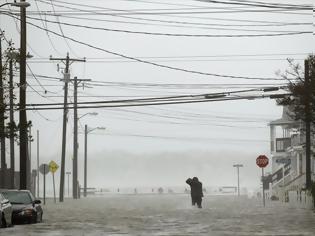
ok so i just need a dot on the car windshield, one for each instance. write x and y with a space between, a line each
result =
18 197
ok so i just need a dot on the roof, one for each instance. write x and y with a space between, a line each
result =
286 118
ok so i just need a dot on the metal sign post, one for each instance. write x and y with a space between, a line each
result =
263 189
44 169
262 161
53 167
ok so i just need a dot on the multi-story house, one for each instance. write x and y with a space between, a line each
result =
287 146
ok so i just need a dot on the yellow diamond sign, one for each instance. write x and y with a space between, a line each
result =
53 166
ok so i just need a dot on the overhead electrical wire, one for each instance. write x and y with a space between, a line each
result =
127 13
148 62
181 123
18 30
277 32
45 26
186 96
185 138
185 24
153 104
260 4
61 30
177 22
137 18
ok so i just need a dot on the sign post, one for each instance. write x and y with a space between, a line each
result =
44 169
262 161
53 167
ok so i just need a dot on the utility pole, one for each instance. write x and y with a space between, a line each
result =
67 61
29 159
238 177
2 132
2 135
68 174
22 111
75 138
308 119
12 125
37 139
75 141
85 160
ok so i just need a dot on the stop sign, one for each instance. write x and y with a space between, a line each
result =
262 161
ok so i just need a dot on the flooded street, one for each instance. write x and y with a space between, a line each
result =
168 215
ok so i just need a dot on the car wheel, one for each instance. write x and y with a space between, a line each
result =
3 223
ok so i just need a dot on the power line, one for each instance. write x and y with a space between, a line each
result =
280 33
151 63
282 10
45 26
186 96
185 138
260 4
60 28
167 21
157 103
36 78
137 18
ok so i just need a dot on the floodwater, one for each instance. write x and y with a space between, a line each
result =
168 214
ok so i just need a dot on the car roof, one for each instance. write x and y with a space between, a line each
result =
13 190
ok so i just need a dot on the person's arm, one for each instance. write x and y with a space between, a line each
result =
189 181
201 189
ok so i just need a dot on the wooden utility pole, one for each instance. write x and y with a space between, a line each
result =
22 111
2 134
75 141
29 159
308 120
12 126
67 61
37 139
85 160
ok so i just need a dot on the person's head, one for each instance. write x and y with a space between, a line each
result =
195 179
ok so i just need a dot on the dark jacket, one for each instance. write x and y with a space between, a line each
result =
196 187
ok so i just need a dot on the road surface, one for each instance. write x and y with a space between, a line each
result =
168 215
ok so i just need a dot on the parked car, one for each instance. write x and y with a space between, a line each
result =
5 212
26 209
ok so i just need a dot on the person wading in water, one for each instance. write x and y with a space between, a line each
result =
196 191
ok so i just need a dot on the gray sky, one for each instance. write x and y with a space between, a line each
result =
162 145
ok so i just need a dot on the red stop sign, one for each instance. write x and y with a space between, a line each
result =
262 161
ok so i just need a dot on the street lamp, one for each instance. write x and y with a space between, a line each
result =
238 177
89 113
75 186
86 131
16 4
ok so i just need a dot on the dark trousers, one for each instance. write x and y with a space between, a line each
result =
196 199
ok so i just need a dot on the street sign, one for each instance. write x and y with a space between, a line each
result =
262 161
44 169
53 166
283 161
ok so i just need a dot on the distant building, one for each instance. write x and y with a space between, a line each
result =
287 146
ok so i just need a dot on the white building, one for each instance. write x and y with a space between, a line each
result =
287 146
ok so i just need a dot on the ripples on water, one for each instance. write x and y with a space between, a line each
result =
167 215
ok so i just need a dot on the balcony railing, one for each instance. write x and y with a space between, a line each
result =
282 144
297 140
